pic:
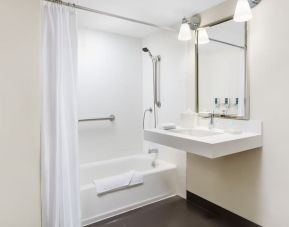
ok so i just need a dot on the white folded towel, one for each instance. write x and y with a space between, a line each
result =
117 182
168 126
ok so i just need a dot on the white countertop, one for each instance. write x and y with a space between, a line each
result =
212 146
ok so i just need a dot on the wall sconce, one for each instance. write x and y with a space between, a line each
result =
185 33
187 26
243 10
203 37
242 13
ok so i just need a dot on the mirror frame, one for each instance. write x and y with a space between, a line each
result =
247 81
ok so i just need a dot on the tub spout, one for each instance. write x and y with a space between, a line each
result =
156 152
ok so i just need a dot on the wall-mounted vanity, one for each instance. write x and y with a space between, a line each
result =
208 143
221 124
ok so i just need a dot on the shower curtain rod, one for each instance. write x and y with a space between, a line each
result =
110 15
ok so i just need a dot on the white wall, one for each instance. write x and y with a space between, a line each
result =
122 88
176 75
255 184
110 82
19 113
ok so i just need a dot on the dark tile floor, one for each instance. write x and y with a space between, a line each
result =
172 212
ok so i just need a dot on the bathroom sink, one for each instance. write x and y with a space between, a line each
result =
195 132
208 143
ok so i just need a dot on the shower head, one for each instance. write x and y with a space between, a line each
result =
145 49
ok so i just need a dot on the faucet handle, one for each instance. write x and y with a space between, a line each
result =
213 113
153 151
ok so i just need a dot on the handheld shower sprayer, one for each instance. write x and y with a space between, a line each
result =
146 50
156 82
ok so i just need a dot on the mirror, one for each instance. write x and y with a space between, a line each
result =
221 71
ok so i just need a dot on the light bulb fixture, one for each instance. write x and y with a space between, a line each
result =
187 26
185 33
203 37
243 10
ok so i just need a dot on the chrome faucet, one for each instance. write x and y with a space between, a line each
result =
156 152
153 151
212 122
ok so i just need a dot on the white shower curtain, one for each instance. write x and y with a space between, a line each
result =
60 165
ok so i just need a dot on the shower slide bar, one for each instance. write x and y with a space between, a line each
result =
109 118
111 15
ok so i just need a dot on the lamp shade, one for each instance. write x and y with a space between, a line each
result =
185 33
243 11
203 37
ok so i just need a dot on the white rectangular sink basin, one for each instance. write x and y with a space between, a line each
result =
208 143
195 132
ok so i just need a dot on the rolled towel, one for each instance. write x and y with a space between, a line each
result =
168 126
118 182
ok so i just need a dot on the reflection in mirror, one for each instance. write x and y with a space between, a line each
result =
222 70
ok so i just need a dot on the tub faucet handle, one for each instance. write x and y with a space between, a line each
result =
153 151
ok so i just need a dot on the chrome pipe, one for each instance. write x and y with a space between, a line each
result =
144 116
157 87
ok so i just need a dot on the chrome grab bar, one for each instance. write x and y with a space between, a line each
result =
156 78
109 118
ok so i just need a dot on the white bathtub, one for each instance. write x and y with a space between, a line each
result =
159 183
